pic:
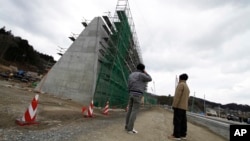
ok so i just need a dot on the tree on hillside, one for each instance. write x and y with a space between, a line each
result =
19 51
6 41
165 100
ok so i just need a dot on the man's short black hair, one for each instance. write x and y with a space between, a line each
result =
183 76
140 67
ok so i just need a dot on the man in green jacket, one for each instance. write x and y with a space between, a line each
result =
180 106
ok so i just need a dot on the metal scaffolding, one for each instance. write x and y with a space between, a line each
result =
119 55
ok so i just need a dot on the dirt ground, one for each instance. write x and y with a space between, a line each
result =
153 124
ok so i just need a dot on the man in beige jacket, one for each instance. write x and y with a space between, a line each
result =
180 106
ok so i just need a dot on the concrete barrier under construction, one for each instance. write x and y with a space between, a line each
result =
74 75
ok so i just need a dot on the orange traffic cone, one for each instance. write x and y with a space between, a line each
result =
29 116
106 109
89 112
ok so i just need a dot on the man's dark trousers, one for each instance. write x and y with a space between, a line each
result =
180 123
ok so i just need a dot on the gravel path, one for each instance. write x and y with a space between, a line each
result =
59 133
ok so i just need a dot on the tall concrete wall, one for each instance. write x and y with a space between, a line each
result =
74 76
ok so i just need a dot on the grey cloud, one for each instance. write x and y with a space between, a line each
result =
21 13
170 61
240 66
35 17
208 4
225 30
176 36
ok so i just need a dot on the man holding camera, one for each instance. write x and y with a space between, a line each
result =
137 83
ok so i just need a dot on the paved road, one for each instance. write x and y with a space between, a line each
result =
218 125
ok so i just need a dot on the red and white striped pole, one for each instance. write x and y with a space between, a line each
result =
91 109
106 109
88 112
29 116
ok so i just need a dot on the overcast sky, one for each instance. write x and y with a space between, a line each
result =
207 39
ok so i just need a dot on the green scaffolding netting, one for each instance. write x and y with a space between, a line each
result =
114 67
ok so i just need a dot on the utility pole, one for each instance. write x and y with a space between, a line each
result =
154 87
176 81
204 106
193 104
219 111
